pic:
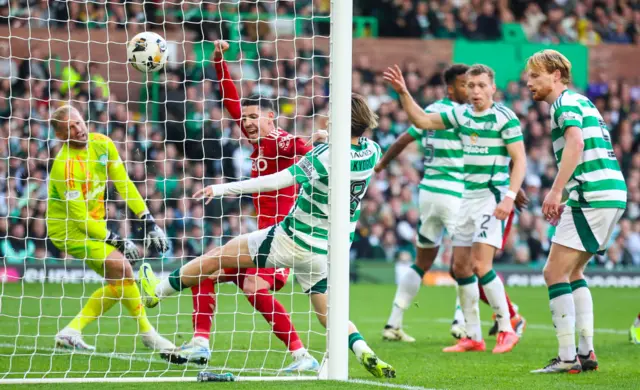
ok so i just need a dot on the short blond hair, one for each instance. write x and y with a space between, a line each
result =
478 69
549 61
61 114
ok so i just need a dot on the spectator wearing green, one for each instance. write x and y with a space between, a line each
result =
15 248
70 77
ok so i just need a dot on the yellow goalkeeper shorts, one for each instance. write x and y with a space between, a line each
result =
93 252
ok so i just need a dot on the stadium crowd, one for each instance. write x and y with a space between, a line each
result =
559 21
195 143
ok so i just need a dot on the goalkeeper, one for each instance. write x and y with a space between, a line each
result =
76 225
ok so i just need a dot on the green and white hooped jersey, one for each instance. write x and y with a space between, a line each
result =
597 181
443 155
485 136
308 221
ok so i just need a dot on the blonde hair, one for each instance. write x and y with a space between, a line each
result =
61 114
478 69
362 117
549 61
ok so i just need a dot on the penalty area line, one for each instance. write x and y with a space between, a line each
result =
385 384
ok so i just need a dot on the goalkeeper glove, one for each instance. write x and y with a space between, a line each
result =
126 246
154 235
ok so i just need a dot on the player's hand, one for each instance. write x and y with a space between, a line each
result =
154 235
125 246
551 207
379 167
504 209
393 76
208 192
555 221
319 136
522 200
220 47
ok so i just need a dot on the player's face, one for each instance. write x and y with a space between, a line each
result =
73 130
540 83
256 122
480 90
460 89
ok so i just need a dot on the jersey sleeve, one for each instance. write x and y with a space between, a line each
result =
415 132
451 118
67 179
228 92
124 185
567 114
511 131
312 166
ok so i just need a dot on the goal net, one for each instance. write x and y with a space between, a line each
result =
175 135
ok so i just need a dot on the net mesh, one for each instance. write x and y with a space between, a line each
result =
174 136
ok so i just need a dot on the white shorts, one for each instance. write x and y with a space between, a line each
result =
476 223
273 248
586 230
437 212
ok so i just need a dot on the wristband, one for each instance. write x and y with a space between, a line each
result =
511 194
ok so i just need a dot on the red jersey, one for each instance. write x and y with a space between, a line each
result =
273 153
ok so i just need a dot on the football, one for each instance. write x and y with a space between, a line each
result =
147 52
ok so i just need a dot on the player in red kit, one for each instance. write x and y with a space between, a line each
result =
273 150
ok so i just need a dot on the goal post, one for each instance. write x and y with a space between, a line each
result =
340 146
42 289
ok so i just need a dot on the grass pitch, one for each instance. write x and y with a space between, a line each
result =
31 314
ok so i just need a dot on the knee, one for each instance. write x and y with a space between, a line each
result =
460 268
249 286
117 268
549 274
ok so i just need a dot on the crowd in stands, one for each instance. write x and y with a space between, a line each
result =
555 21
195 143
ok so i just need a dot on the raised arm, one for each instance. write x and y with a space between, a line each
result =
417 116
228 91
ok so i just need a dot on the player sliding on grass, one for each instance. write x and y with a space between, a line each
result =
491 137
77 226
300 241
273 150
589 172
441 191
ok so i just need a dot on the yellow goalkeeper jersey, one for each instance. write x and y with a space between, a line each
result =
77 185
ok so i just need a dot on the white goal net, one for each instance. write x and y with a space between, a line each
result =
176 131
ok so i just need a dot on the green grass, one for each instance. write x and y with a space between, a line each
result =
30 315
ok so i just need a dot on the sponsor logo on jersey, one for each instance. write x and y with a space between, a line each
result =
476 149
72 195
474 138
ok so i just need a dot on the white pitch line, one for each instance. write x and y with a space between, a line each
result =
385 384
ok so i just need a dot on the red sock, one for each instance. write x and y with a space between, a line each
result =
483 298
638 316
204 304
277 316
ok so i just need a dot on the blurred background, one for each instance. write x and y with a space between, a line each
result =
175 136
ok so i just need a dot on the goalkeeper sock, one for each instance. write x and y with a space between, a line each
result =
357 345
563 313
204 306
133 303
494 289
99 302
407 290
277 316
469 296
584 315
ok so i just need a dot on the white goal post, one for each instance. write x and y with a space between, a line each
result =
41 293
